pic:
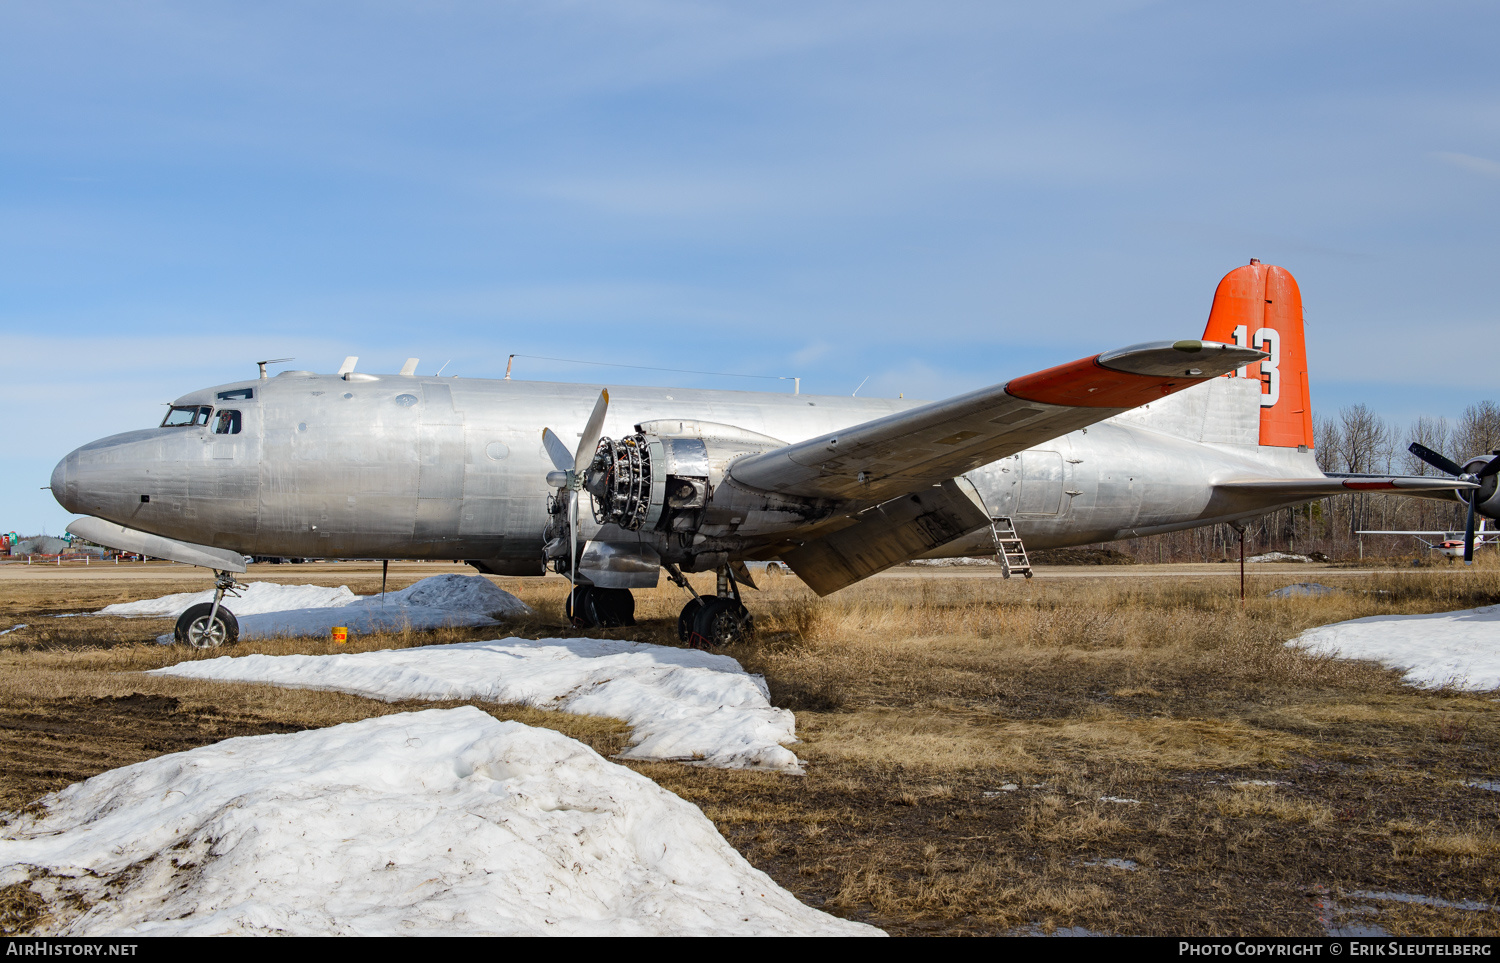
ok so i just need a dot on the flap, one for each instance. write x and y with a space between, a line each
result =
924 446
886 535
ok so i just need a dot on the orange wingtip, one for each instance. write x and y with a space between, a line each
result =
1088 384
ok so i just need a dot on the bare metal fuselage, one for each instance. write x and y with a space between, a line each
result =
394 466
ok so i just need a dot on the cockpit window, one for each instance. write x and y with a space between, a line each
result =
227 422
236 394
186 416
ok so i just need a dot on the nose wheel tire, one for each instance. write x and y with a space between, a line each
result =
719 622
194 628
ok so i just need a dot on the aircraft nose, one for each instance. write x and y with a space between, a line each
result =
65 482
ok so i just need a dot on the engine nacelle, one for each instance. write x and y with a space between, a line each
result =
662 479
1488 492
645 482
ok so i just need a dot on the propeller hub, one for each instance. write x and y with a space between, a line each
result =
568 480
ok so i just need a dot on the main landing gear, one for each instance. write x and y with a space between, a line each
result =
209 625
713 622
588 606
705 623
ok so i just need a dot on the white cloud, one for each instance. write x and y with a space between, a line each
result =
1468 162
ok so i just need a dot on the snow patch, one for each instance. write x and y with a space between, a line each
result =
255 599
683 705
1462 904
1279 557
1459 649
1301 590
1129 865
960 562
267 610
435 822
470 593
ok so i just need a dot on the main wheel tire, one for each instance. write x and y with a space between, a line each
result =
685 620
194 629
579 607
720 622
613 607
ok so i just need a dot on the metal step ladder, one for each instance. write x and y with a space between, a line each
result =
1008 547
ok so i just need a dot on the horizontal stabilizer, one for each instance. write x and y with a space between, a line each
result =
1419 485
1447 533
143 543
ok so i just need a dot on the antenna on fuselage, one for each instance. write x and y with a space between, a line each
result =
262 365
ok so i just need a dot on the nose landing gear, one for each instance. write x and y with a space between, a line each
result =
209 625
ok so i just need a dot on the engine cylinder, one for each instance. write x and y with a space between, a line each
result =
647 482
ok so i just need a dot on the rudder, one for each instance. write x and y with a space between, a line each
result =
1260 305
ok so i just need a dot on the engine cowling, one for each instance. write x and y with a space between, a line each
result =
663 477
647 483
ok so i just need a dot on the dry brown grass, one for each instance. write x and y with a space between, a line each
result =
22 909
919 698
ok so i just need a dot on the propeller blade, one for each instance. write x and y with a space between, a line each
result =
590 440
562 459
1492 468
1435 460
1469 530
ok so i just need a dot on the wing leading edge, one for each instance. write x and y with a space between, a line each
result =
912 450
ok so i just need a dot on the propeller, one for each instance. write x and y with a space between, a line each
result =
1453 468
569 474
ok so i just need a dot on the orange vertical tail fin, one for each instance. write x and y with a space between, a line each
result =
1259 305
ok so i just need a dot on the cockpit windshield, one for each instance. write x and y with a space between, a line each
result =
186 416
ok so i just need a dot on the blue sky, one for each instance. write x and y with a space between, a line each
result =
935 196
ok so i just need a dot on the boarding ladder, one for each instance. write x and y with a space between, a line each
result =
1008 547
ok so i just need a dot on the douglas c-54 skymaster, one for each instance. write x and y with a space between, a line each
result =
1151 438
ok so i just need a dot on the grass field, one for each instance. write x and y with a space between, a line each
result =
1127 754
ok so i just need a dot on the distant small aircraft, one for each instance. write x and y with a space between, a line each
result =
1451 544
1146 439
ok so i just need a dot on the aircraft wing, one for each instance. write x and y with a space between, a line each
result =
1405 532
1423 486
913 450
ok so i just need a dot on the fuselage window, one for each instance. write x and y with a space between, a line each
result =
227 423
236 394
186 416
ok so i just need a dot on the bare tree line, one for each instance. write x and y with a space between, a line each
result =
1355 440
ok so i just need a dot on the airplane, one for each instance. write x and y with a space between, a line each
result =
1150 438
1449 543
